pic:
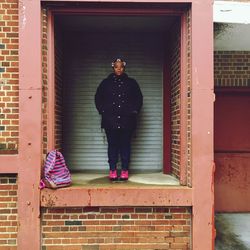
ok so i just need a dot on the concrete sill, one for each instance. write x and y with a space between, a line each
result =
97 190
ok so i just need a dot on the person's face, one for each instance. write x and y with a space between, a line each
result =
119 68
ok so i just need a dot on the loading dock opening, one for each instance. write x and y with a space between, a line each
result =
153 42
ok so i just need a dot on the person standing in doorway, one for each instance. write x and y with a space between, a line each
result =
118 100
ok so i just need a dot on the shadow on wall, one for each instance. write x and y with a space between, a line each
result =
226 238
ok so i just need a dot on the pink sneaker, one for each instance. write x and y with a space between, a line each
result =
124 175
112 175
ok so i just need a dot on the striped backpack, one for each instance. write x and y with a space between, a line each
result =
55 171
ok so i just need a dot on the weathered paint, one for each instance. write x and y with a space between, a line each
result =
232 150
30 125
232 182
202 124
232 120
117 196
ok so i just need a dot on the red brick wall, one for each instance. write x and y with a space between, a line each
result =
116 228
44 79
232 68
8 212
58 83
175 98
8 76
189 98
175 46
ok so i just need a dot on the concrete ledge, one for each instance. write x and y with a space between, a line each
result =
117 195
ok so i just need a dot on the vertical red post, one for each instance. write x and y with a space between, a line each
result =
202 124
30 116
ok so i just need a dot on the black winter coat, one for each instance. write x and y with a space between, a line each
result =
118 99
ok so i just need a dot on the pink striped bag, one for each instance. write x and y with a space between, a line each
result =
55 171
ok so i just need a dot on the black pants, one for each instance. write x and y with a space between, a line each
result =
119 142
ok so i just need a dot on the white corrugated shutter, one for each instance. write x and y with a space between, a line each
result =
87 61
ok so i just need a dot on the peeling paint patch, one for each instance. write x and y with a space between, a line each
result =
22 11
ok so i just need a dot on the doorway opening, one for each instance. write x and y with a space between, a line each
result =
85 46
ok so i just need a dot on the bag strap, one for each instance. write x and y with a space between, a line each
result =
49 166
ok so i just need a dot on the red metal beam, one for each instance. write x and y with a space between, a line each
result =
136 196
202 124
30 128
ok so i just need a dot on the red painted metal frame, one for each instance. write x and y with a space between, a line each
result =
202 124
30 125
